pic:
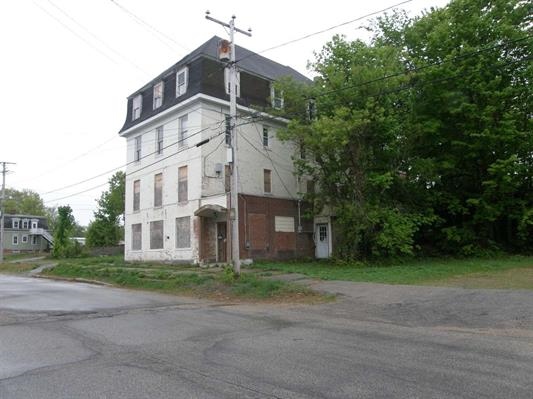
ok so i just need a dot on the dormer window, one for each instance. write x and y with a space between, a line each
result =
182 77
227 83
158 95
276 97
16 223
25 223
137 107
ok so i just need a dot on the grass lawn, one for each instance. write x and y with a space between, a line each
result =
212 283
16 268
475 273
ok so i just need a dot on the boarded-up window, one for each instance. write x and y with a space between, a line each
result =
136 195
183 195
267 180
159 140
136 237
258 236
227 178
183 130
183 232
138 144
156 234
158 190
284 224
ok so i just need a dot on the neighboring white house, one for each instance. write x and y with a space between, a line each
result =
176 191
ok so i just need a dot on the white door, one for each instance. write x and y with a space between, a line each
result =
322 241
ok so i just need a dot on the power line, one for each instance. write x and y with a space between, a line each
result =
129 163
150 27
107 141
97 38
324 30
135 171
75 33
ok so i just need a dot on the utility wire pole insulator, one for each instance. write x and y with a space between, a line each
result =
234 193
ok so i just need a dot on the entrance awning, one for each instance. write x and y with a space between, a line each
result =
210 211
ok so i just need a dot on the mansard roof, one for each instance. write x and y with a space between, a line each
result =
249 61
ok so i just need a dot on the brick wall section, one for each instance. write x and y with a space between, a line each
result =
258 237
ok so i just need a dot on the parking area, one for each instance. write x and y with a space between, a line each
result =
64 340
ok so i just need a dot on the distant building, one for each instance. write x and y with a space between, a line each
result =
26 233
177 192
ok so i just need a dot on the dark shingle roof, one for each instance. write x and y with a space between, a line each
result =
249 61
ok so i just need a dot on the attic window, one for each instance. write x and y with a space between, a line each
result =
158 95
237 83
276 97
137 107
182 77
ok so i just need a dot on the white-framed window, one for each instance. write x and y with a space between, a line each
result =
267 181
237 82
138 148
158 190
159 140
183 189
183 130
156 234
34 224
136 237
265 136
24 239
182 79
15 240
34 240
25 224
276 97
137 107
158 94
183 232
136 195
15 223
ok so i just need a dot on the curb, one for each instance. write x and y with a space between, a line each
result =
74 280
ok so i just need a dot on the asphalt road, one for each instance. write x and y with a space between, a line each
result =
68 340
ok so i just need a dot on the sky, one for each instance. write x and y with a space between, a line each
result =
68 65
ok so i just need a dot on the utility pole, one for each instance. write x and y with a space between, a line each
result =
234 195
2 207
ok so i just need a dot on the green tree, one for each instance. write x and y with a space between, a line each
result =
422 137
357 149
471 140
106 228
63 245
24 202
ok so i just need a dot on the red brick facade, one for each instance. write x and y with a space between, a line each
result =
258 236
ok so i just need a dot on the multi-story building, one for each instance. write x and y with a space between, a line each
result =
26 233
177 183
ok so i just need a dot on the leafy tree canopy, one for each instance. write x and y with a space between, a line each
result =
422 137
106 228
24 202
